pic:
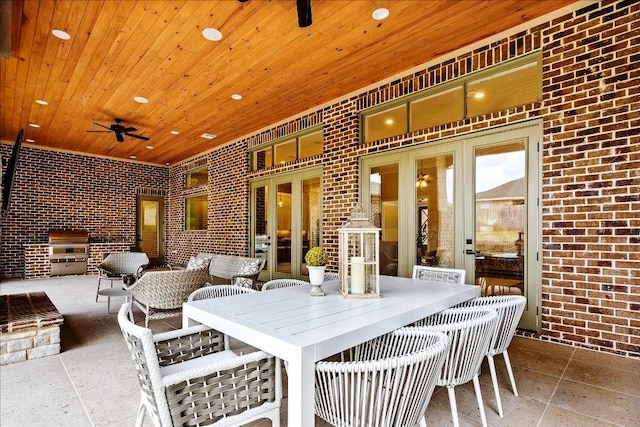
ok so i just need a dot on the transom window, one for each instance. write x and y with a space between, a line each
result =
291 148
504 86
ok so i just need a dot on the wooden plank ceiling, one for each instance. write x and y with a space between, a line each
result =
155 49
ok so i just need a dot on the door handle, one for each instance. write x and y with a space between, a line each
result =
471 252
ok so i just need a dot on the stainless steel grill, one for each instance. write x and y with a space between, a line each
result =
68 251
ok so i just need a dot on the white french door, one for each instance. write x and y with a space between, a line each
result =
470 202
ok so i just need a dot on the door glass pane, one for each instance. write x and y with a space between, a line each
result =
500 209
150 228
383 184
283 254
435 227
261 239
311 210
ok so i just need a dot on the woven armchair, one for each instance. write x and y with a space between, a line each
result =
388 381
509 309
116 265
187 378
160 294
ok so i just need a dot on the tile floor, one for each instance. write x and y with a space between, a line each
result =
92 383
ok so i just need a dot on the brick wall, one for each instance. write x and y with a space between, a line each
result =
56 190
228 200
591 162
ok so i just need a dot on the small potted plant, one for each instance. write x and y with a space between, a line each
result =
316 259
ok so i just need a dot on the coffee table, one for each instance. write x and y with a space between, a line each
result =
114 292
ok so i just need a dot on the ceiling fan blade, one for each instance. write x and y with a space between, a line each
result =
144 138
100 131
129 130
304 13
119 137
102 126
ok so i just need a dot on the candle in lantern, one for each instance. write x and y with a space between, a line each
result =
357 275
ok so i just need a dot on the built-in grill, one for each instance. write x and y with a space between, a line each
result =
68 251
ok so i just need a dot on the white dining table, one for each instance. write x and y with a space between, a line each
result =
303 329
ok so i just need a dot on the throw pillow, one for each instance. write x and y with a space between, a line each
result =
196 263
249 267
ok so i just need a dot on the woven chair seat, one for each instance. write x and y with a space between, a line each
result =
187 378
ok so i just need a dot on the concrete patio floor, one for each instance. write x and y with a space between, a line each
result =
92 381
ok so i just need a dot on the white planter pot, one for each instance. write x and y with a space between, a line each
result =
316 277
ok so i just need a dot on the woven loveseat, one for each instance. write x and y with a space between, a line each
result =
233 270
160 294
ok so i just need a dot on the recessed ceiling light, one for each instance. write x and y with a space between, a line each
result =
478 95
212 34
61 34
208 135
388 122
132 157
236 96
175 132
30 140
140 99
149 147
33 125
380 14
41 102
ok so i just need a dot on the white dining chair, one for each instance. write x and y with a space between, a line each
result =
388 381
186 377
282 283
216 291
470 330
328 276
438 274
509 309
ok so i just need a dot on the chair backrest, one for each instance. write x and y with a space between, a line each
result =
390 381
437 274
216 291
152 353
140 343
509 309
282 283
124 262
470 330
167 289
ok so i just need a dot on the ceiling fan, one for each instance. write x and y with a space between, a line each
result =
304 12
119 130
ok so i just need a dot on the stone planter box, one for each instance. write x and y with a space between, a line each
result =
30 325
